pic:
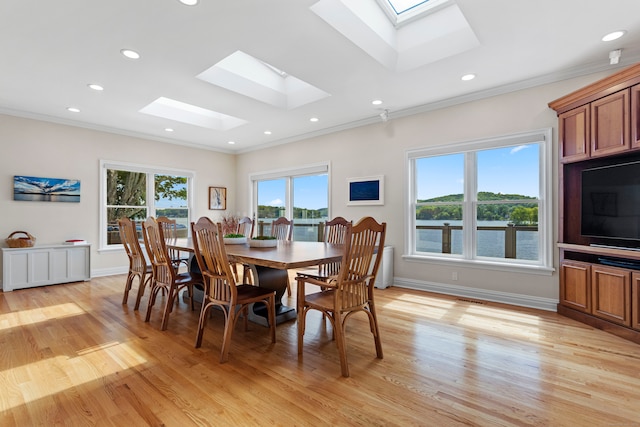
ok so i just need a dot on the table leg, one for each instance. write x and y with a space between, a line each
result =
271 278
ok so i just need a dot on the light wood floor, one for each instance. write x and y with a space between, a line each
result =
73 355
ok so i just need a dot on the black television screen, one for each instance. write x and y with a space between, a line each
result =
611 202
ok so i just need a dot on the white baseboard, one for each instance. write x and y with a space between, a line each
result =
109 271
547 304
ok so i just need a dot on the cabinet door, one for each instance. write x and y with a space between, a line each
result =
610 124
611 294
575 289
635 301
573 128
635 116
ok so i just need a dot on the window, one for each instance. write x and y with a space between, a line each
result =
138 192
401 12
301 194
482 202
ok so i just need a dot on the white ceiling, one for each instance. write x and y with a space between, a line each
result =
51 50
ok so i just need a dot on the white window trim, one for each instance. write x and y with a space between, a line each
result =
311 169
134 167
545 228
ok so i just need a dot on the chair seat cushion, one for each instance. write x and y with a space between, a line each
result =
184 278
250 292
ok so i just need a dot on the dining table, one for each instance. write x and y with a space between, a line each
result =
270 266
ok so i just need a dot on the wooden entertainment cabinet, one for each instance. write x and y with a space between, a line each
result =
598 125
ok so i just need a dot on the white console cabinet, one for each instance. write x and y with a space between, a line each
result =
44 265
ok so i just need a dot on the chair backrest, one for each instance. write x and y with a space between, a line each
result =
334 232
169 229
364 243
163 269
129 238
282 228
245 227
209 250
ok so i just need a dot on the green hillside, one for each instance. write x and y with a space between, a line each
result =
517 213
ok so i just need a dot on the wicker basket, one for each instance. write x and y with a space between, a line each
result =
26 241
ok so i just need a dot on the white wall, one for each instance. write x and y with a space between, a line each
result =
37 148
380 149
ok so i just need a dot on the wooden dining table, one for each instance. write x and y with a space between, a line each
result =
269 267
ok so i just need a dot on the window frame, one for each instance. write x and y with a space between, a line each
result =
288 174
150 170
544 264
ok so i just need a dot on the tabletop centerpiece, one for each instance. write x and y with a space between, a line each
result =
263 242
234 239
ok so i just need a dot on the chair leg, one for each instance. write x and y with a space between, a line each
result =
373 320
245 317
338 329
152 299
202 322
228 332
172 295
144 281
127 288
301 326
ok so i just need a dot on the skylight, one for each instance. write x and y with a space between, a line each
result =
431 30
252 77
402 6
191 114
401 12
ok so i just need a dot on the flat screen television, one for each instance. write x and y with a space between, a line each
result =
611 203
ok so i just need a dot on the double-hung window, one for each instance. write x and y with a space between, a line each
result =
301 194
137 192
482 202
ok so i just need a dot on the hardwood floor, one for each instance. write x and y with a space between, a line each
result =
73 355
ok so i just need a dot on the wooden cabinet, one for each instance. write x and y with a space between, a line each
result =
599 290
44 265
610 124
598 126
574 129
635 301
635 116
611 294
575 285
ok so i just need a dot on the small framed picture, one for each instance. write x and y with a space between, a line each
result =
367 190
217 198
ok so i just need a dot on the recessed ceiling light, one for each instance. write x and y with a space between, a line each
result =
468 77
613 36
73 109
131 54
313 119
189 2
168 130
377 102
231 142
267 132
95 87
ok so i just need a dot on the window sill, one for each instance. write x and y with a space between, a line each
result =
483 264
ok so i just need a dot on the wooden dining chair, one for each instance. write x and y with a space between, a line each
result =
282 229
170 233
220 288
165 276
351 291
334 233
245 227
138 267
